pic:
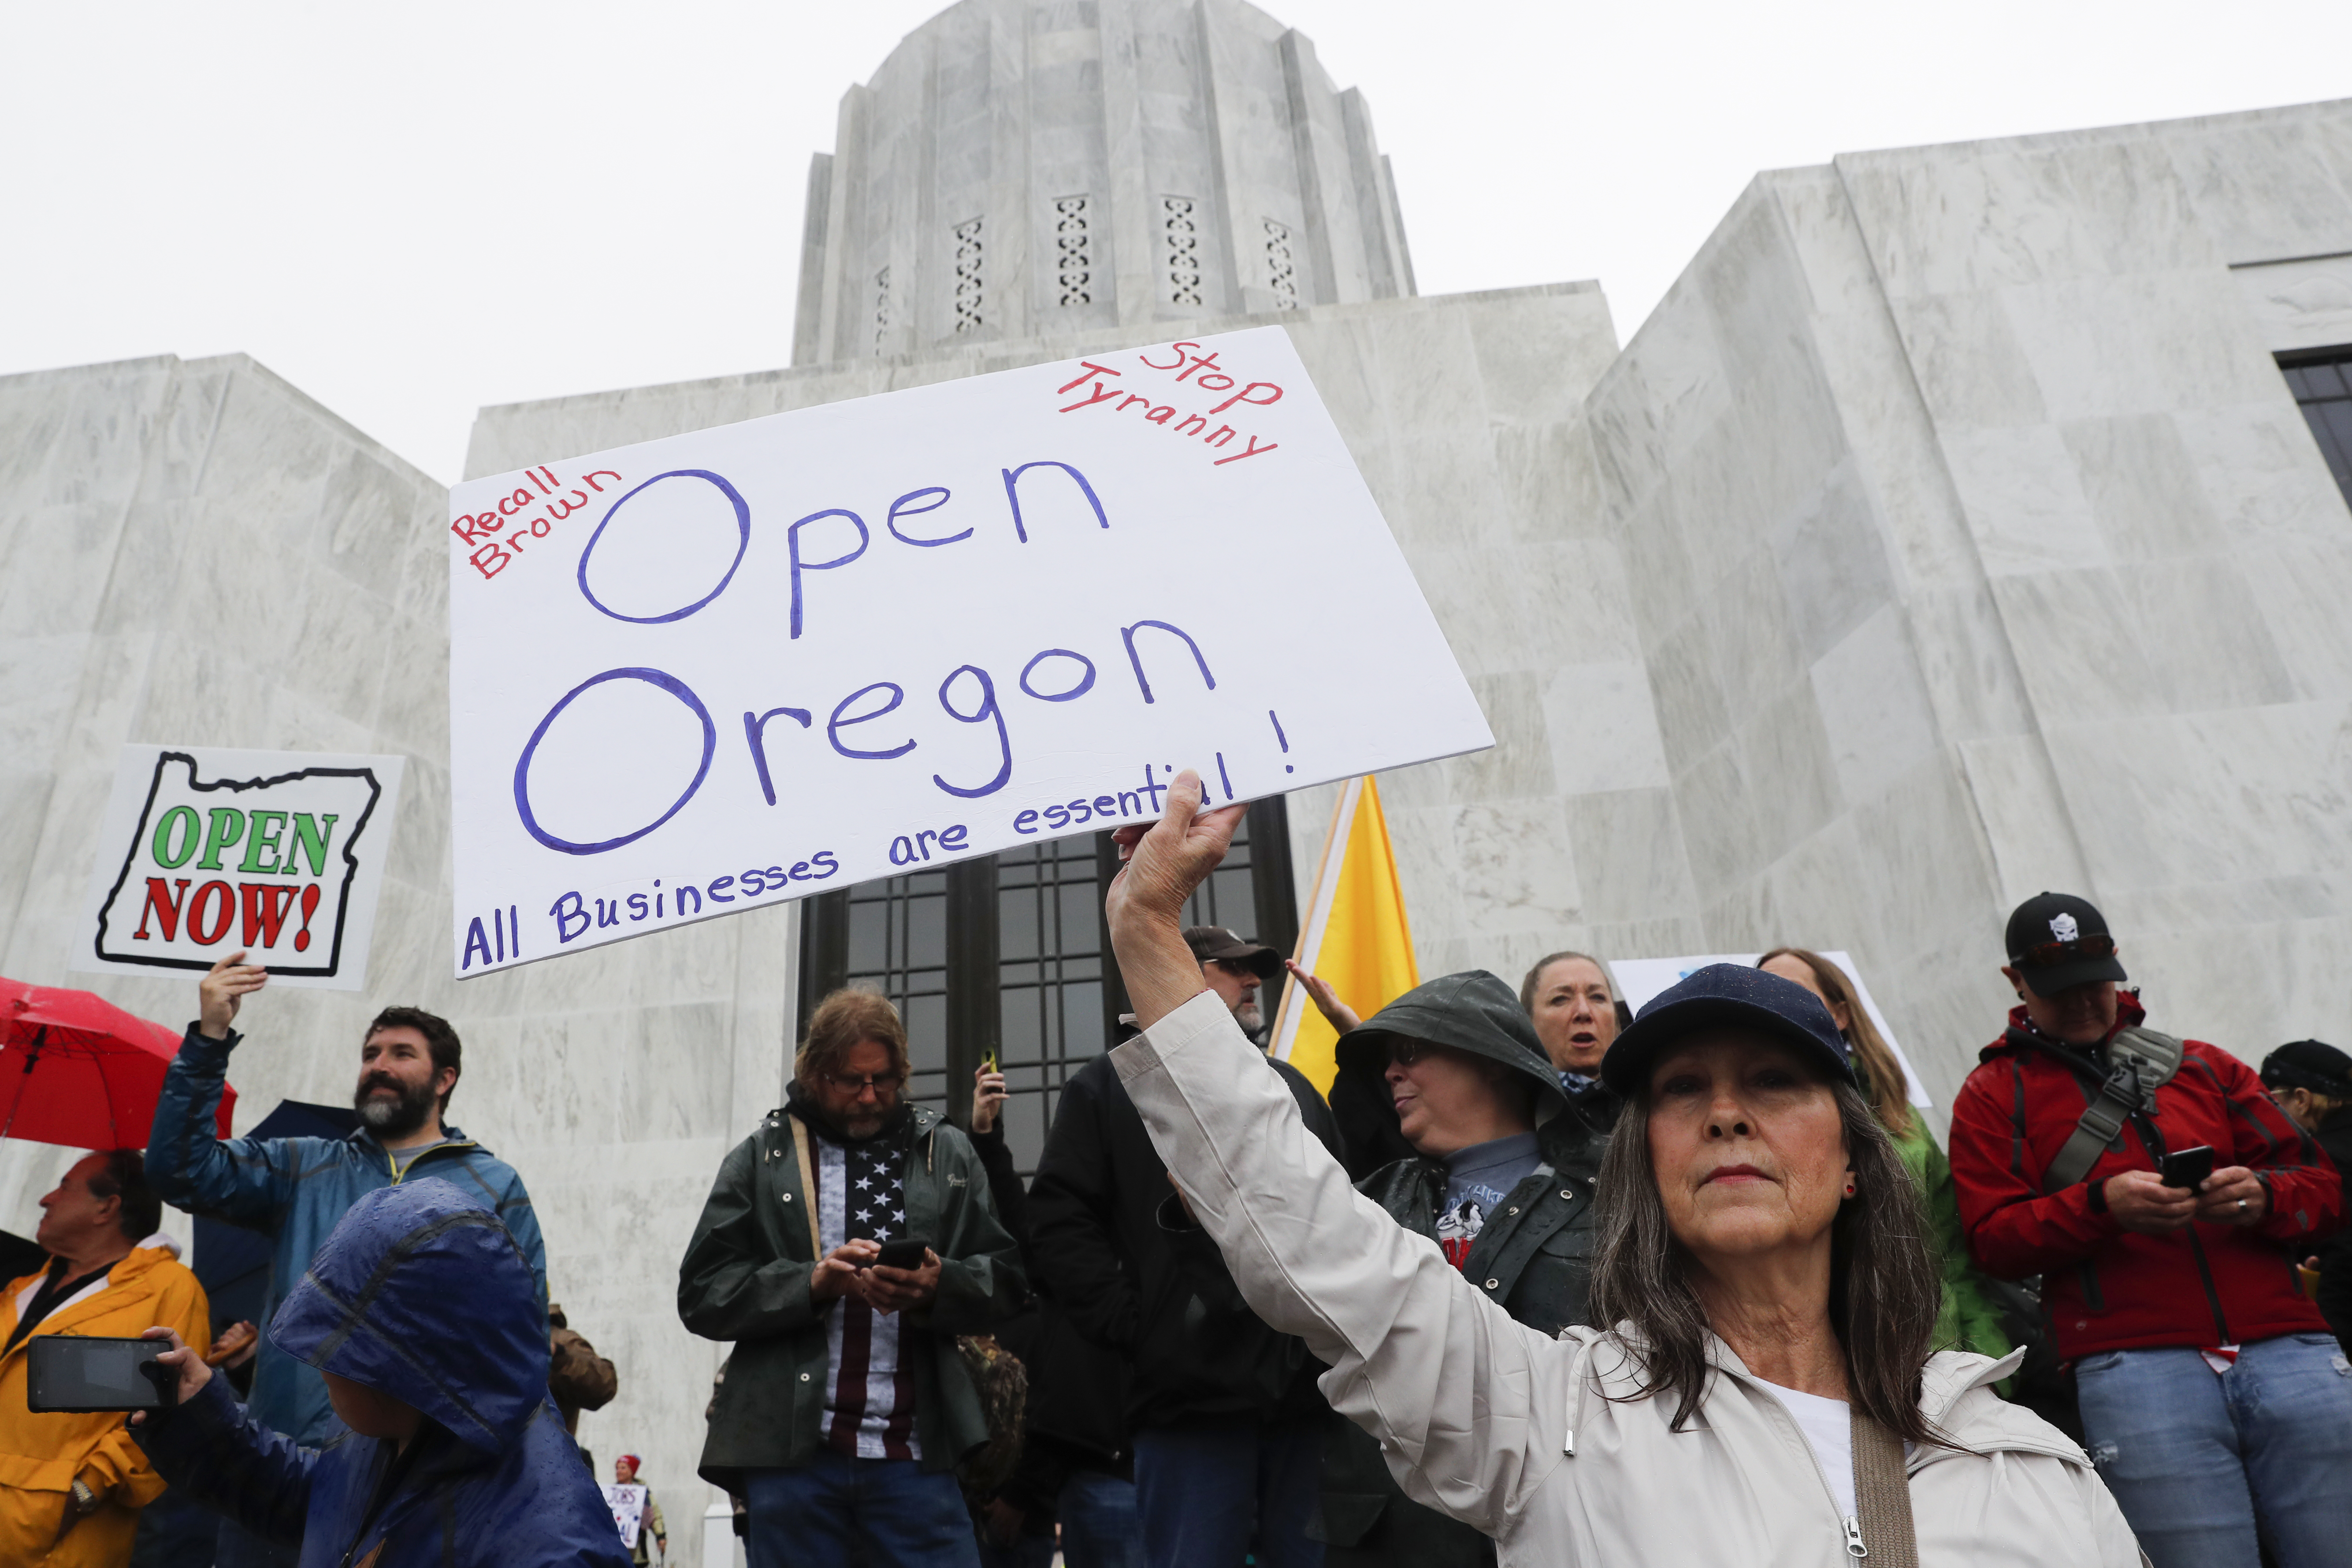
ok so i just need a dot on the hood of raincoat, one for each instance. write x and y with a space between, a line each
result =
1474 1011
420 1293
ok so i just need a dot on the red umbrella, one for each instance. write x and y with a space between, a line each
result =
76 1070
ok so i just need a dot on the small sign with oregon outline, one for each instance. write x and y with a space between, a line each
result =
205 851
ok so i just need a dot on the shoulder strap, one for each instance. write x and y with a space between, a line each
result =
1882 1499
2140 1061
808 1183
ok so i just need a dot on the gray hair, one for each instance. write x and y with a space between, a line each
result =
1885 1290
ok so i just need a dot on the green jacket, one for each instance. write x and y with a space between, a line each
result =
745 1278
1968 1320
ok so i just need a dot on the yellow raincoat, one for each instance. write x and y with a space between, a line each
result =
42 1455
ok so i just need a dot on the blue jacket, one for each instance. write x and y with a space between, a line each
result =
421 1294
295 1190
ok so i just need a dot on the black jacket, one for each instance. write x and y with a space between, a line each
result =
2335 1135
1075 1417
1159 1294
1534 1255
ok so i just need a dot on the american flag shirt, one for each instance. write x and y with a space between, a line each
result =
869 1397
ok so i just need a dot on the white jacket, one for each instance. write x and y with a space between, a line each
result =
1493 1423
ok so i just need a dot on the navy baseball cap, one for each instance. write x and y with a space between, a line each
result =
1726 995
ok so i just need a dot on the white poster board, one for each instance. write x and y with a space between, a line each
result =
205 850
628 1501
1641 979
725 669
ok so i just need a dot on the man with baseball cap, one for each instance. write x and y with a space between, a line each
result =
1234 970
2312 1081
2160 1194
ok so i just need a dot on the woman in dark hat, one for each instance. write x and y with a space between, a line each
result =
1760 1264
2312 1082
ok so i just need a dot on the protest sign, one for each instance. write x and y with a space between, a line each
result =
205 852
728 669
628 1501
1640 979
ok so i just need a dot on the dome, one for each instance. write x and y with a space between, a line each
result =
1023 168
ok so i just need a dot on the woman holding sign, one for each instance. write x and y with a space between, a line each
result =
1766 1389
638 1515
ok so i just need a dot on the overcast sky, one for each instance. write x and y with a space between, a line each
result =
411 211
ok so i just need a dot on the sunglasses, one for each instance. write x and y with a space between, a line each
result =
2051 953
880 1083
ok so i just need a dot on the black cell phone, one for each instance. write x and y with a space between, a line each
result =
75 1374
902 1254
2186 1167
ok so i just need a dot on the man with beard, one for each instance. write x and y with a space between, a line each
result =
1234 970
846 1402
295 1190
1228 1423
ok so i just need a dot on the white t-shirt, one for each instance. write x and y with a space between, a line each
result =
1828 1427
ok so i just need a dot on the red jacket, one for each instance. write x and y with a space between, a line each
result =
2104 1288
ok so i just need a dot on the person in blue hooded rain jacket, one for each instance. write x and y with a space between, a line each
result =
294 1190
421 1315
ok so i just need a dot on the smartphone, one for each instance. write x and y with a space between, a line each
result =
74 1373
902 1254
2186 1167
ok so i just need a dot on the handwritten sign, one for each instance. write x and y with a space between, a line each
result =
205 852
724 669
628 1501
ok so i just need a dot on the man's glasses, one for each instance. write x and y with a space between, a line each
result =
880 1083
2050 952
1404 1053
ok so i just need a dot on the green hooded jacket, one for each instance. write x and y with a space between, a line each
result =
1534 1254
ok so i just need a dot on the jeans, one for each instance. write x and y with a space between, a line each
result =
1099 1527
876 1513
2194 1459
1200 1489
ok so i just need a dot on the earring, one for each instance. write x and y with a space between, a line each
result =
1849 1190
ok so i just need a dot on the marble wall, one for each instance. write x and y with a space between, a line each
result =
1977 547
196 553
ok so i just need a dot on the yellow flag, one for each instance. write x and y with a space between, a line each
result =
1356 935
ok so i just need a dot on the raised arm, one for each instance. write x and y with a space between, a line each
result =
1470 1407
189 1165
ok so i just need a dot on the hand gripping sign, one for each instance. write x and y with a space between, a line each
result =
724 669
205 851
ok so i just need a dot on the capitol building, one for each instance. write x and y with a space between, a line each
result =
1965 521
